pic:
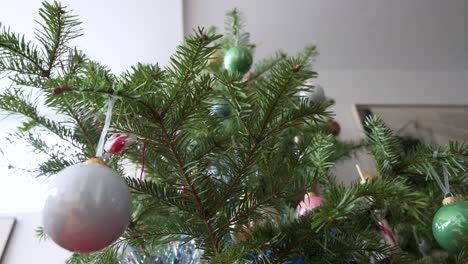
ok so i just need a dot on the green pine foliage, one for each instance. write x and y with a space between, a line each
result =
209 177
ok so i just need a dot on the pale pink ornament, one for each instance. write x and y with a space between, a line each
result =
246 76
118 142
310 202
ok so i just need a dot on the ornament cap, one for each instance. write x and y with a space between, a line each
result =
310 194
450 199
367 175
96 161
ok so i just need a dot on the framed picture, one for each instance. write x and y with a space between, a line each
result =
429 124
6 228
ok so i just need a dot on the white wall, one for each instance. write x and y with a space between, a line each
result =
119 34
371 52
24 247
418 35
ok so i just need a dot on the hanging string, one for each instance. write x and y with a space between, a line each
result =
444 187
382 224
363 179
446 180
142 160
105 129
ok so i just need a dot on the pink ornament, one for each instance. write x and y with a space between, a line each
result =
246 76
117 142
310 202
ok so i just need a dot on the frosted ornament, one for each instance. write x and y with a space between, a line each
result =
88 207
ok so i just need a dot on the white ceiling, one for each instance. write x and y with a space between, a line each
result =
417 35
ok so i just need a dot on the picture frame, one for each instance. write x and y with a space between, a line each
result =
7 225
419 123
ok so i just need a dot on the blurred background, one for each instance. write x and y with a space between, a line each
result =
405 60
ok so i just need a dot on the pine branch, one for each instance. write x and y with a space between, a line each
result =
15 102
188 61
234 34
341 202
424 158
194 192
385 146
40 233
264 66
161 194
59 27
18 55
105 256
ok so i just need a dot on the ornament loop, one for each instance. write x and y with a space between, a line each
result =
102 139
448 194
444 187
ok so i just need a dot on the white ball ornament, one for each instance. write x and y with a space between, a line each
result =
314 94
88 206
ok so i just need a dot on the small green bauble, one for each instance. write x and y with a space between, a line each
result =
238 60
450 226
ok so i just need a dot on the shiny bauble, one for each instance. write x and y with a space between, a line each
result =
310 202
88 206
333 128
215 60
221 109
238 60
312 94
269 216
450 225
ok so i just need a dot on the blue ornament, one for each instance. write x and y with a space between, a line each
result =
256 257
221 109
294 261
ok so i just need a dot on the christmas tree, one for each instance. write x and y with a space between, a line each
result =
234 161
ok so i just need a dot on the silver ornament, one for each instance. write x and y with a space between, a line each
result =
88 206
312 94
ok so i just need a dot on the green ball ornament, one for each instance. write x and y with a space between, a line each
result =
238 60
450 225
